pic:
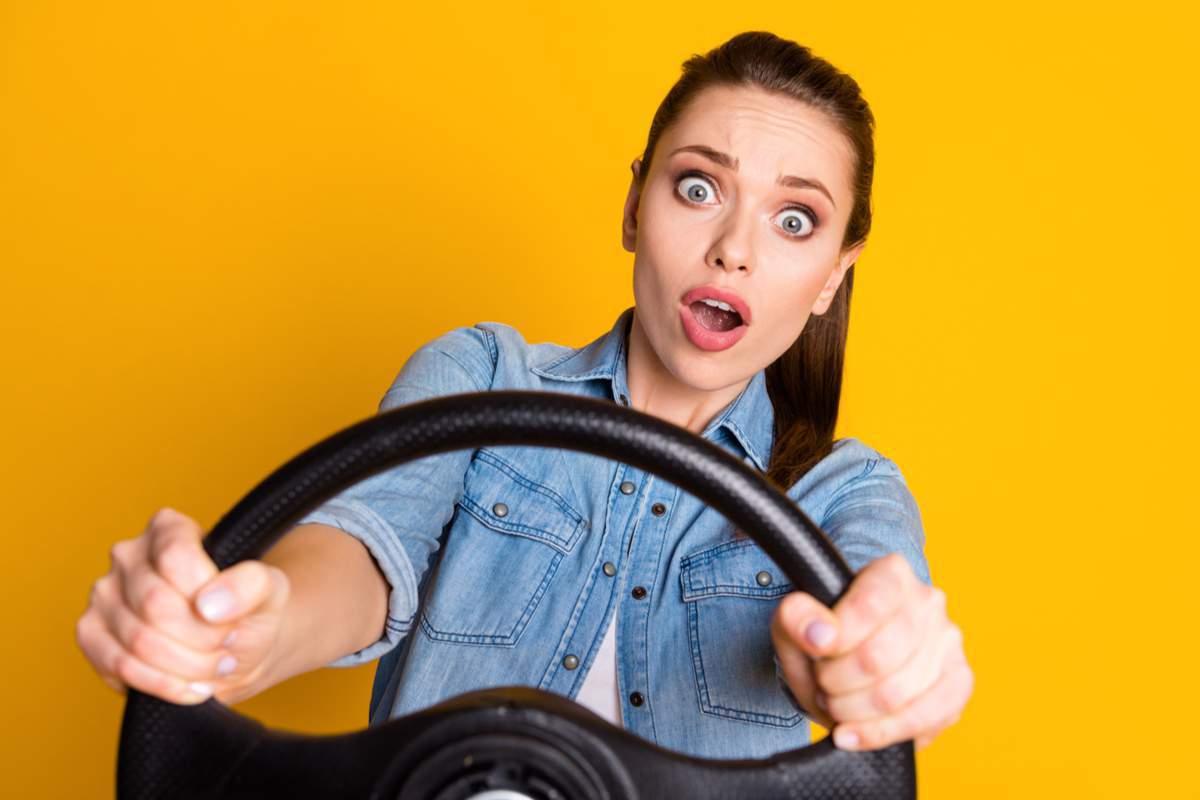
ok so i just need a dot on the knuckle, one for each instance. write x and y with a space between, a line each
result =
172 557
889 696
163 517
869 657
118 552
84 628
142 642
896 564
159 603
937 597
869 602
100 589
954 637
125 669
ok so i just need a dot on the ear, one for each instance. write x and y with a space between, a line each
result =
845 262
629 221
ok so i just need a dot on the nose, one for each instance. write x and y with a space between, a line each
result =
732 251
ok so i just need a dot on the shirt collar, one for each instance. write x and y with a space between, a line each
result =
750 418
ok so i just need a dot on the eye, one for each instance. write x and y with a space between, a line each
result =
798 221
694 187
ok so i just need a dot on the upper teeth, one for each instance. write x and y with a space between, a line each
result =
708 301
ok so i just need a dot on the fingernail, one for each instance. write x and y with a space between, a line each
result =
215 604
844 739
228 640
202 689
226 665
819 633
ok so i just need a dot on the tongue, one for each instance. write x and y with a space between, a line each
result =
715 319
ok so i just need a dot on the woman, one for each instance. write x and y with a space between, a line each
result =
745 214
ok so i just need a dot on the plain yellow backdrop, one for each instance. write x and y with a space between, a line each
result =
224 226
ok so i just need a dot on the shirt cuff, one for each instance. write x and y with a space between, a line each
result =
358 520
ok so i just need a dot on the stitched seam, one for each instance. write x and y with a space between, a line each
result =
493 350
499 463
706 704
518 529
461 365
503 640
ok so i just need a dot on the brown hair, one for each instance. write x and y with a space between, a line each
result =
804 383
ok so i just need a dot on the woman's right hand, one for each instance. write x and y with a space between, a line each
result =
165 622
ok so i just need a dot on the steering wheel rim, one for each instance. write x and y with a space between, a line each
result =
173 750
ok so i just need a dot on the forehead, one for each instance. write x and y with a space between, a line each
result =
769 134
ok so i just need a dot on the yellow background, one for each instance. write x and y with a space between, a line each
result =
224 226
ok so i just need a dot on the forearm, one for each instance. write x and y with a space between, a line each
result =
337 602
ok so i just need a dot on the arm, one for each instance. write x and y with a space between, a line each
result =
336 604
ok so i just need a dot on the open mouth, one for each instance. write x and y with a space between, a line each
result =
715 318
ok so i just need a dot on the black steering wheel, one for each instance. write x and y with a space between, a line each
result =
511 743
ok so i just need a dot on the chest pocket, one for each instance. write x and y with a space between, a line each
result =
731 591
510 530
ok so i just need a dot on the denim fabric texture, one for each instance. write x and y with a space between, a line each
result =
508 547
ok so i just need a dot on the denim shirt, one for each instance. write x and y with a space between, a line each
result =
540 547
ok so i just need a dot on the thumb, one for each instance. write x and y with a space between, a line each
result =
808 623
245 588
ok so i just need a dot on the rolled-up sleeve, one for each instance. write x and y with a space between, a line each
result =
869 517
399 514
875 514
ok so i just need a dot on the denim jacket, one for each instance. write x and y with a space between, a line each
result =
539 547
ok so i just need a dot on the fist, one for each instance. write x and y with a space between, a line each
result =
164 621
883 666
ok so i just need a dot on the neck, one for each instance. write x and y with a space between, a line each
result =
654 390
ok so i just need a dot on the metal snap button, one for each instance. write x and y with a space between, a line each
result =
610 568
571 661
500 510
627 487
763 578
638 592
658 509
624 400
636 699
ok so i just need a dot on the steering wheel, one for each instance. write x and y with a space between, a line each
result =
511 743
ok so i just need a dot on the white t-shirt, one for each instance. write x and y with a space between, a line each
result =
599 690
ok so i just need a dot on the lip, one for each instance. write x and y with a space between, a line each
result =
724 295
705 339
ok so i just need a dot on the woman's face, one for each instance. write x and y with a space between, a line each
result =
712 214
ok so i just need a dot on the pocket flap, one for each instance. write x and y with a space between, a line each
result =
732 569
504 499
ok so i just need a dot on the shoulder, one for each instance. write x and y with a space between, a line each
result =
853 472
861 499
489 354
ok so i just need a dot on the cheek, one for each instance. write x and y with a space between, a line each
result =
668 235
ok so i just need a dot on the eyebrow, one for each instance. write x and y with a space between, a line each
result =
730 163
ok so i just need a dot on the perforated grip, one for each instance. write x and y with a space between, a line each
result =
207 750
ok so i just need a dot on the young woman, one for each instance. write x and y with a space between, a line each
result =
593 579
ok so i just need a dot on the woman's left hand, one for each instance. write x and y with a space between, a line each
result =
883 666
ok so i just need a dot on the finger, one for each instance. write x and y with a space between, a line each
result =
922 718
892 692
245 588
807 623
118 665
176 551
797 670
162 652
158 603
99 647
874 595
889 647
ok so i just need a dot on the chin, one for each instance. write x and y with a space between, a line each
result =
708 374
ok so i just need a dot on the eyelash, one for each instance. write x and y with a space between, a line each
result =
808 212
